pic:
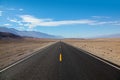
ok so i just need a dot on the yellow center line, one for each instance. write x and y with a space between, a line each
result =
60 57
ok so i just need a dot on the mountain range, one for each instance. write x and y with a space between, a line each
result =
6 35
34 34
111 36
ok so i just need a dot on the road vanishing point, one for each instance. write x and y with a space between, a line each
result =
61 61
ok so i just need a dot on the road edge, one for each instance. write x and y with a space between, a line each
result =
26 57
96 57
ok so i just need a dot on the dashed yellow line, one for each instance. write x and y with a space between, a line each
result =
60 57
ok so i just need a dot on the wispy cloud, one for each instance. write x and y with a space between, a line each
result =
31 22
106 22
11 9
21 28
20 9
100 17
1 13
7 24
16 21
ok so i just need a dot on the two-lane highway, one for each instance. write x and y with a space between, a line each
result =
61 61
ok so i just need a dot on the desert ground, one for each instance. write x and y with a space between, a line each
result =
13 50
108 49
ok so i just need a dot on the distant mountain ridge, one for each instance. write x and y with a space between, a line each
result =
34 34
110 36
4 35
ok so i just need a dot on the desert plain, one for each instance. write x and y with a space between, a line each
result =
16 49
108 49
12 50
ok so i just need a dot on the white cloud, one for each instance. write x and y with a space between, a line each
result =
115 23
6 24
20 9
1 13
106 22
16 21
11 9
101 17
13 20
21 28
33 21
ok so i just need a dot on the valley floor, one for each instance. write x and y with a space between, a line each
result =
108 49
13 50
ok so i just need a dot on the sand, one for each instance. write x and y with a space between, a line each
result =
108 49
14 50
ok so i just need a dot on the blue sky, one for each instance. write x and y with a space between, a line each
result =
67 18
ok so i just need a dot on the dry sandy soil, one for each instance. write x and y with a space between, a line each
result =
13 50
108 49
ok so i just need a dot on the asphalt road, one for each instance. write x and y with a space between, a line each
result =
73 64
